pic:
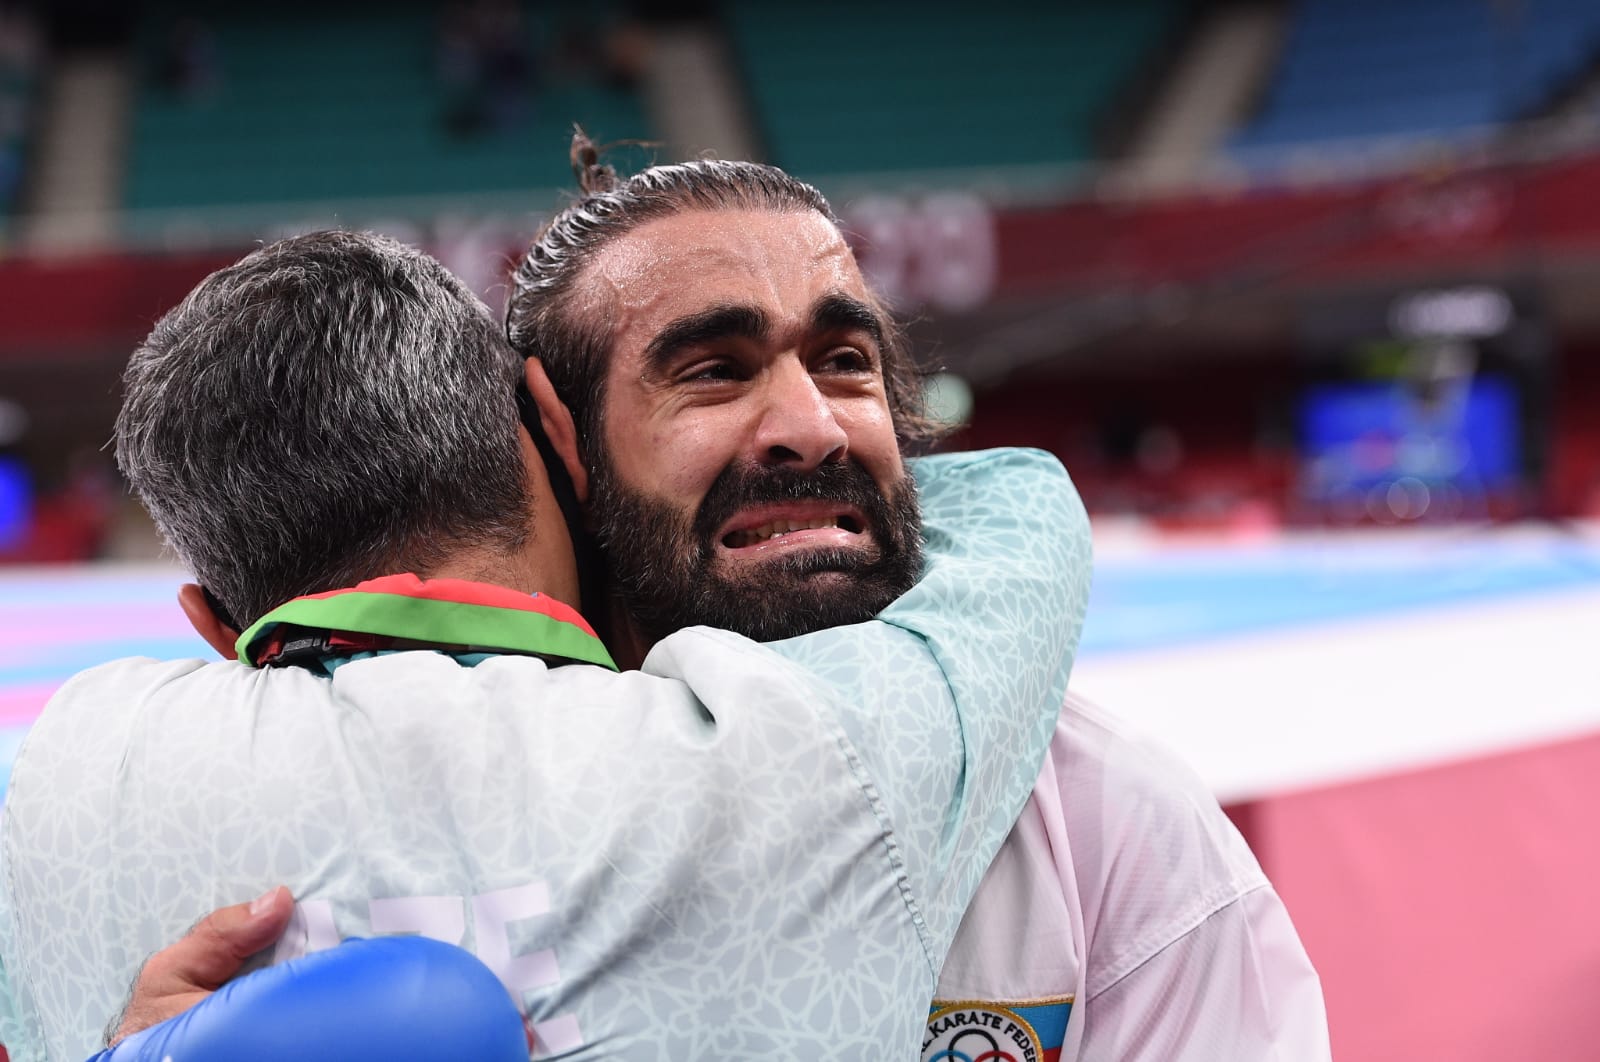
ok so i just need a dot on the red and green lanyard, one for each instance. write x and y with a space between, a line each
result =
405 612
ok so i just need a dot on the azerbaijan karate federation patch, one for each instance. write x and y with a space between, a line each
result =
975 1031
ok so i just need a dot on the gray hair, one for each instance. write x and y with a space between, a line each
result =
575 352
331 408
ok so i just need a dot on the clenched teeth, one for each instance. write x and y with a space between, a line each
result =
750 537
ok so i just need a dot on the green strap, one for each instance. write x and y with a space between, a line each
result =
429 620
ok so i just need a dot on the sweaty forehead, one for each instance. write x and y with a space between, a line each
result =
673 266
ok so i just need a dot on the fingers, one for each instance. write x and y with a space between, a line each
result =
178 977
220 942
388 998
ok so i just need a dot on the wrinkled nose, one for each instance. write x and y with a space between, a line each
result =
798 426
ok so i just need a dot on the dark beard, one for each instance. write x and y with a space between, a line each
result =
663 564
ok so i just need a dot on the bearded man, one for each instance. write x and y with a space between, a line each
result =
678 314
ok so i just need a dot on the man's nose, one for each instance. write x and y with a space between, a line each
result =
798 427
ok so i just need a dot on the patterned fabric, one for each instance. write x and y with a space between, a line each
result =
719 856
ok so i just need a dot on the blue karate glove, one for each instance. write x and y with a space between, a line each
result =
382 999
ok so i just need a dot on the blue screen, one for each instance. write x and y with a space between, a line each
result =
16 501
1356 436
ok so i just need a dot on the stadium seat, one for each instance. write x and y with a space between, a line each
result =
324 103
846 88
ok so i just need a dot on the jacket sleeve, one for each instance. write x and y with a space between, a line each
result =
1189 953
1237 986
951 695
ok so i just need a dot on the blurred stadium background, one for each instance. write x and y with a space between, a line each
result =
1303 293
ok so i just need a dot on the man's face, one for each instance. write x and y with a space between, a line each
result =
749 476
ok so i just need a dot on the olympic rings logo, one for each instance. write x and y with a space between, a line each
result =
978 1032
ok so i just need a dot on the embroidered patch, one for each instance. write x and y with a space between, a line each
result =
1015 1031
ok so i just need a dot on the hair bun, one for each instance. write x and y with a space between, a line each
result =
593 176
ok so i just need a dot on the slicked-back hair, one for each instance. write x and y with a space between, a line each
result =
541 316
331 408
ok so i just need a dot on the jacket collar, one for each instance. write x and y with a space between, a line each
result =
403 611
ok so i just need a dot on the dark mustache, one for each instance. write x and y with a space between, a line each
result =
741 486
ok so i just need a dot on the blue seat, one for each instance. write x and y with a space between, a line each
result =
1369 68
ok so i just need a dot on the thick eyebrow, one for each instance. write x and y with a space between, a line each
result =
838 312
732 321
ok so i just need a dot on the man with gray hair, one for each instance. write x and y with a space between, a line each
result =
720 855
706 324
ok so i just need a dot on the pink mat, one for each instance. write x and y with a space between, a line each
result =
21 705
1451 912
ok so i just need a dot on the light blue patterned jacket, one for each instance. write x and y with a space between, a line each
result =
740 851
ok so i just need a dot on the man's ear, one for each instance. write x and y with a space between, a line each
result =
556 419
217 634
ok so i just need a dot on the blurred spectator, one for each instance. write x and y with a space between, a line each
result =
614 52
486 66
627 52
578 50
187 66
457 64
